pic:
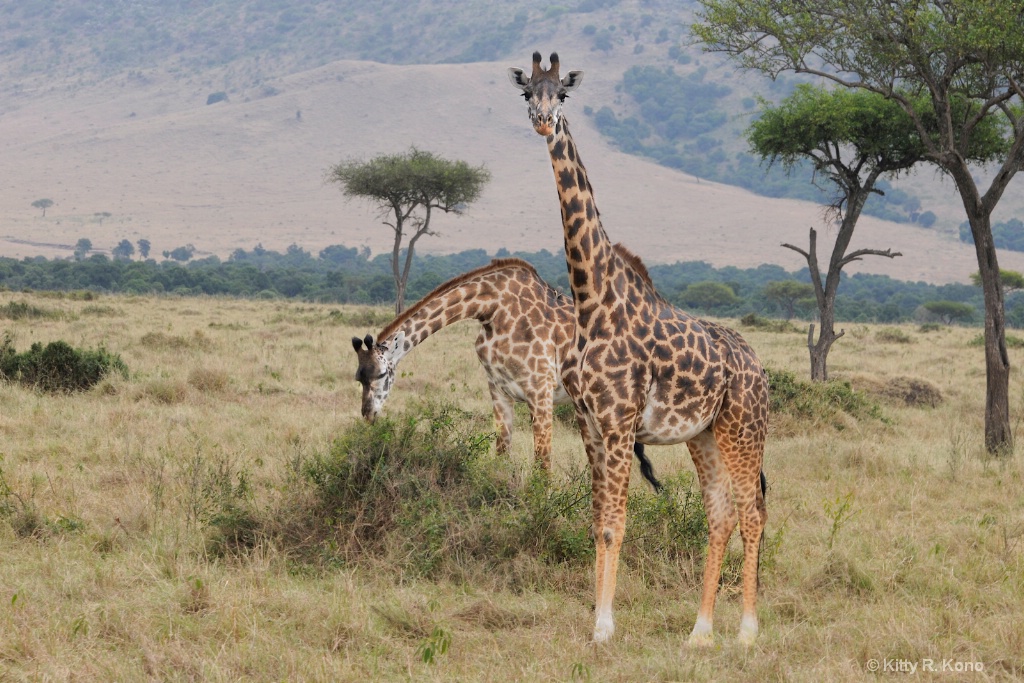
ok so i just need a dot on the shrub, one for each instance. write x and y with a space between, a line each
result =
817 401
894 335
423 495
1012 342
58 367
759 322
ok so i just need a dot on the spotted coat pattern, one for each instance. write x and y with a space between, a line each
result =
638 365
526 329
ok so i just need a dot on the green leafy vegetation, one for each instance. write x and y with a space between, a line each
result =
58 367
1006 235
818 401
422 493
341 274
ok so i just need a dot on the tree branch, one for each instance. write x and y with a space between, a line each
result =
860 253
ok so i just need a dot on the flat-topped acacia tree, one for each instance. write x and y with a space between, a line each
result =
851 139
407 188
951 65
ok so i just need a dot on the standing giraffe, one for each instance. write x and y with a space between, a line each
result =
642 369
526 331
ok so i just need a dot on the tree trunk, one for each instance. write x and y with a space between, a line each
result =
826 337
396 253
998 432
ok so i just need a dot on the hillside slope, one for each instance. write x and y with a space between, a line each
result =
146 149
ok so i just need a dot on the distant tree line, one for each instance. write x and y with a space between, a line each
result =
1007 235
340 274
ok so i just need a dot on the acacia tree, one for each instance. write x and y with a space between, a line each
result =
406 188
786 293
851 138
951 65
43 204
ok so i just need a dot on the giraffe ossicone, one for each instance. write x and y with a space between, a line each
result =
641 370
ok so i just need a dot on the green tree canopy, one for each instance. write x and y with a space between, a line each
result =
950 311
709 295
1011 279
786 293
43 204
406 188
123 250
956 67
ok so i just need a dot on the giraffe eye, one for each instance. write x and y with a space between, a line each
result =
562 96
526 95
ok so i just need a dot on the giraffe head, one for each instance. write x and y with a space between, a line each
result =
376 370
545 92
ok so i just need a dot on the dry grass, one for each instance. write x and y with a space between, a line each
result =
106 573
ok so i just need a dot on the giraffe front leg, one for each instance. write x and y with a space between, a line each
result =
618 452
595 457
504 417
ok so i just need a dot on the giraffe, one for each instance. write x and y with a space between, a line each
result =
526 329
641 369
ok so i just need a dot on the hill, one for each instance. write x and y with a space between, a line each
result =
129 149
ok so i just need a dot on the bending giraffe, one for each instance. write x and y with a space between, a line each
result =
526 332
641 369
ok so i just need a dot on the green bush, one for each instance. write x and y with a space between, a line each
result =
57 367
817 401
423 494
760 322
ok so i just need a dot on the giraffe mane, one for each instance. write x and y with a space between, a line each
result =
634 262
454 283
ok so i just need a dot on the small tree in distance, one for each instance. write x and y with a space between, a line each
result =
144 247
786 293
82 247
43 204
123 250
950 311
406 188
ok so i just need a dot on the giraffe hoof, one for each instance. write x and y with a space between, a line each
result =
702 634
701 640
748 631
603 631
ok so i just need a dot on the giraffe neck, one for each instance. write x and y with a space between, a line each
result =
472 296
588 251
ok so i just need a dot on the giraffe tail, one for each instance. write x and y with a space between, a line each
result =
760 542
646 468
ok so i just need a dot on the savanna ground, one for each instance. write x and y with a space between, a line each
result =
894 536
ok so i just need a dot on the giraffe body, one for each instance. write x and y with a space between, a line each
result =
640 369
526 328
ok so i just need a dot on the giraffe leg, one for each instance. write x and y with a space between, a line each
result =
618 452
542 415
743 461
504 416
722 518
595 456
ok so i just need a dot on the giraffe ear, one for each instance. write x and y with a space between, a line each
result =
572 80
518 78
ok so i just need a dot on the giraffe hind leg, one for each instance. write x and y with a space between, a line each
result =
716 493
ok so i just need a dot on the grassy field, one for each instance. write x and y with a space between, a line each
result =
897 541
